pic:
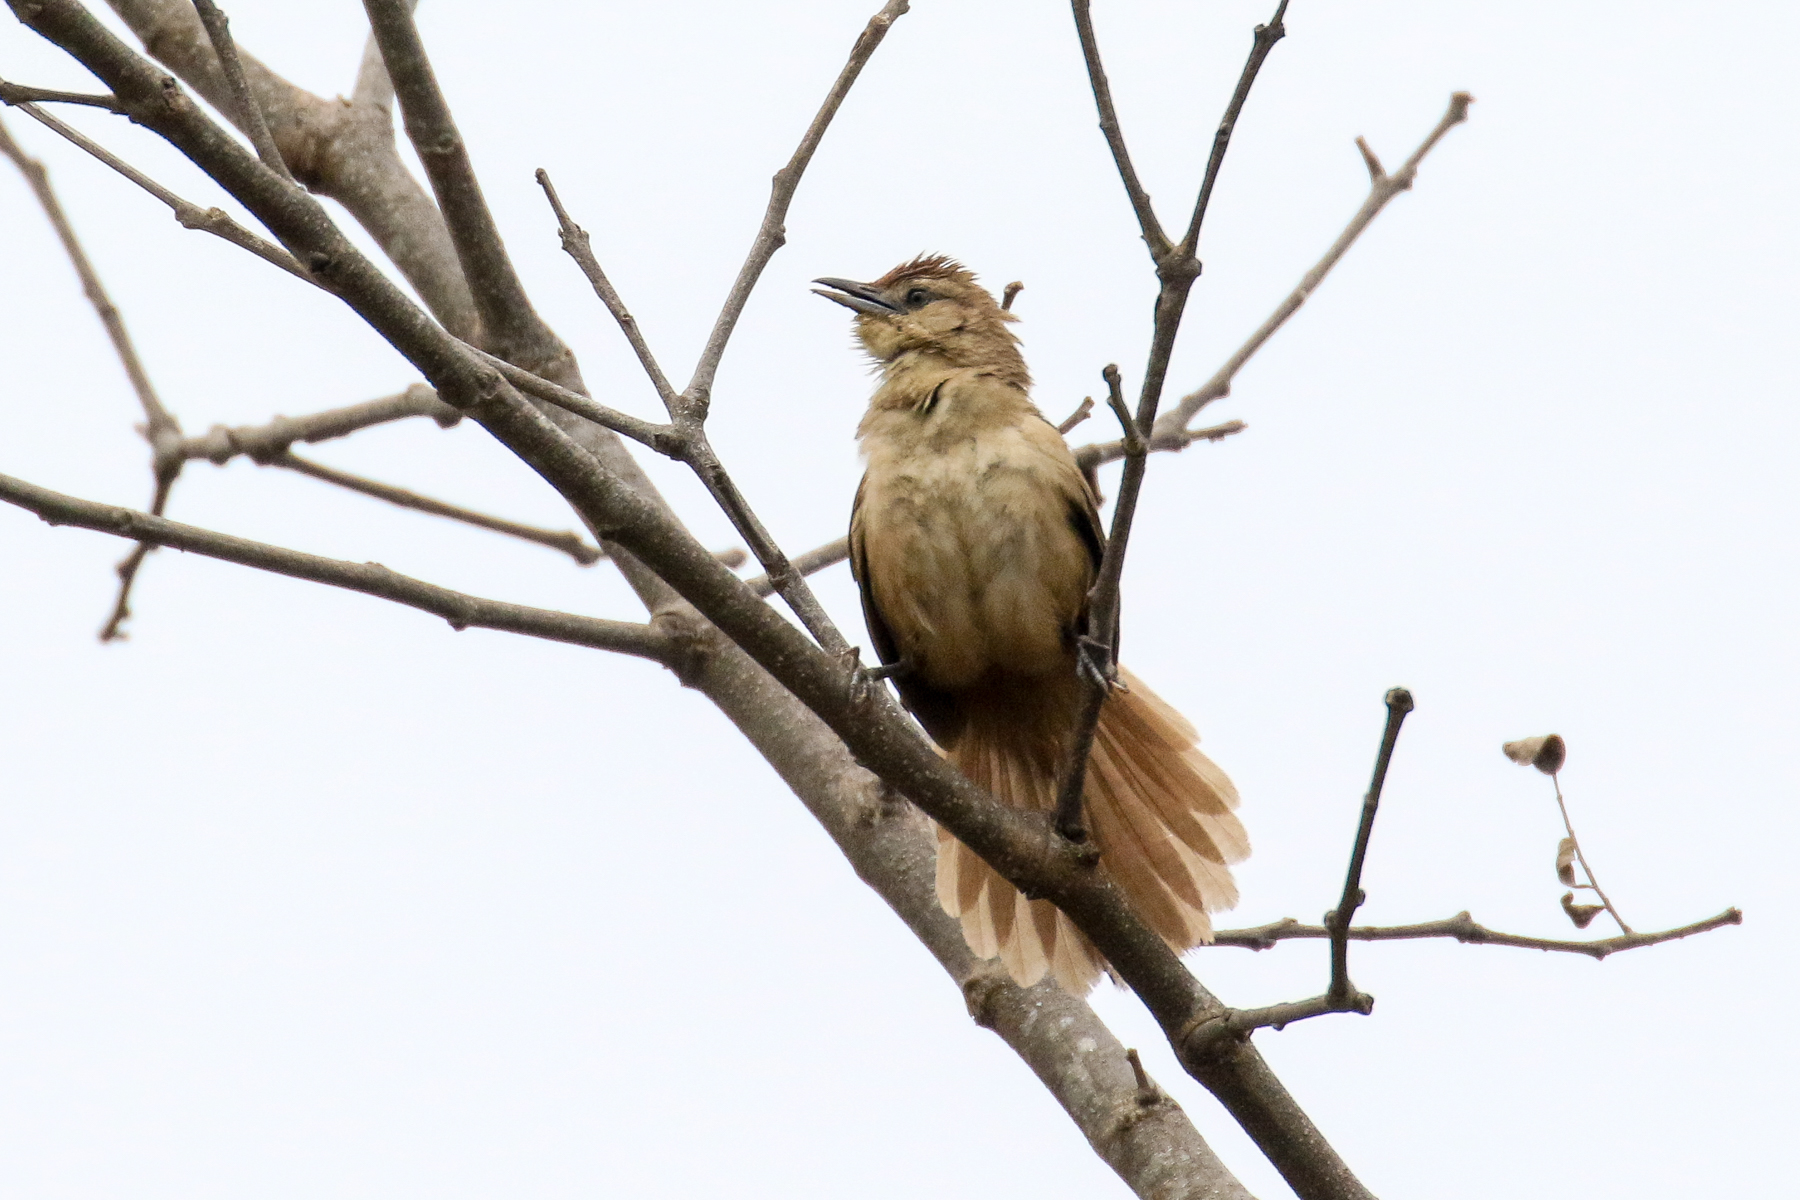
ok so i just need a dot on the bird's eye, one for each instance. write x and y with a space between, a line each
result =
917 298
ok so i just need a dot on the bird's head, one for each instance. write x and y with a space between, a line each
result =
930 307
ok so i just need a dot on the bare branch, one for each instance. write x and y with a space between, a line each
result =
266 443
1382 188
249 113
1236 1024
786 581
127 570
1399 702
345 151
159 424
160 428
14 93
513 328
191 216
812 562
664 439
772 234
372 579
578 246
1097 650
1081 413
1266 37
1098 454
1115 137
1464 929
569 543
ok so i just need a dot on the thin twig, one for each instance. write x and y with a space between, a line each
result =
787 582
1115 137
189 215
1556 780
664 439
1101 641
1097 454
1266 37
1463 928
265 443
373 579
159 423
771 235
578 246
1399 702
127 570
160 428
812 562
1236 1024
250 114
1082 411
18 93
570 543
1382 188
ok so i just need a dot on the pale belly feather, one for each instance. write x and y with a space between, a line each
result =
972 558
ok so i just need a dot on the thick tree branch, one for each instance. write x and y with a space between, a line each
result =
513 329
371 579
345 151
868 724
1463 928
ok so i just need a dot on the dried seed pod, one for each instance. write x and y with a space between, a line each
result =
1565 862
1545 752
1581 914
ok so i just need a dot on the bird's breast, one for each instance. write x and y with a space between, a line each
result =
970 555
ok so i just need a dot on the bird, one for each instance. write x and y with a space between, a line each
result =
974 541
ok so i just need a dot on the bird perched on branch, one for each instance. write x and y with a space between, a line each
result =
975 540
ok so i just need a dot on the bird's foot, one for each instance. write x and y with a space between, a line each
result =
1094 660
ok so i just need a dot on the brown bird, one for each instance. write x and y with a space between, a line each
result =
975 540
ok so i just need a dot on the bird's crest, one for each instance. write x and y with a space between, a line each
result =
927 266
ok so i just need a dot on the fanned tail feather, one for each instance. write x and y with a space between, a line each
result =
1159 810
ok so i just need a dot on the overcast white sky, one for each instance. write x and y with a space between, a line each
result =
303 895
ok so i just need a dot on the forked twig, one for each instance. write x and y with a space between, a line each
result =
1382 188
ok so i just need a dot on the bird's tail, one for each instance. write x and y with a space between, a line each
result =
1159 810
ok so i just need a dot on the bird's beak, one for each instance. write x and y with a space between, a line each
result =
859 296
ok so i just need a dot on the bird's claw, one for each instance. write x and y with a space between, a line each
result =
1093 658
